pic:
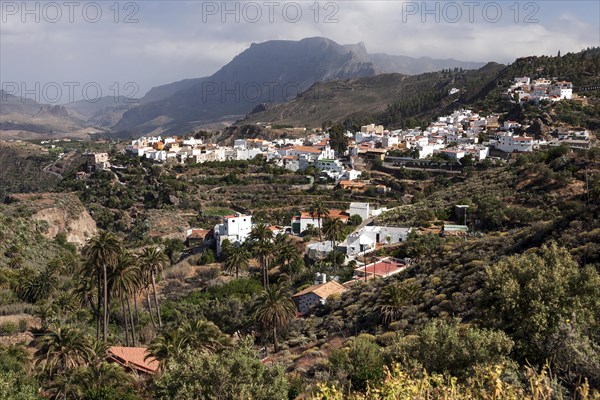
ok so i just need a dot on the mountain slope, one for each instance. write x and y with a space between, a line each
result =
165 91
379 98
17 114
413 66
268 72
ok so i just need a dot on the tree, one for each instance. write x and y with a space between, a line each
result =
168 344
533 295
205 335
14 358
197 335
34 286
235 374
394 298
451 347
153 262
287 256
101 253
334 231
60 350
126 279
103 380
361 363
338 140
319 210
237 259
260 237
274 309
17 386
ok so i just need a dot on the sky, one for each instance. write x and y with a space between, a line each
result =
67 50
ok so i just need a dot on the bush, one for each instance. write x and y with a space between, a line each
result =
362 363
452 348
234 374
8 328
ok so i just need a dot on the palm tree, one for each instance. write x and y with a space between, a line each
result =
61 350
394 297
261 237
167 344
237 259
200 335
101 253
275 308
286 254
320 211
64 305
205 335
334 231
153 262
126 279
94 379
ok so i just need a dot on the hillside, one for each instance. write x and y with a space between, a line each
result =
415 100
271 72
27 115
380 98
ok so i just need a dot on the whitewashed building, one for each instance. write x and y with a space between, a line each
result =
235 228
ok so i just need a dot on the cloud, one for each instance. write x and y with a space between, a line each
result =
177 40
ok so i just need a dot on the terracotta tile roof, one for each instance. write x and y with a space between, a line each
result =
333 214
323 290
198 233
306 149
133 358
352 184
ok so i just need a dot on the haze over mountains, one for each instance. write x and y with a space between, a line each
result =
270 72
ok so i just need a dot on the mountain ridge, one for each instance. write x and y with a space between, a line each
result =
270 72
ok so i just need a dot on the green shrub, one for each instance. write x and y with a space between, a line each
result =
8 328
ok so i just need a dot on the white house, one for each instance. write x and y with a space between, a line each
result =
509 143
317 294
330 165
564 90
364 210
350 175
389 141
302 222
454 154
235 228
523 81
360 209
367 238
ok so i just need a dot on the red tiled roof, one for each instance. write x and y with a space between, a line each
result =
382 268
306 149
323 290
134 358
333 214
198 233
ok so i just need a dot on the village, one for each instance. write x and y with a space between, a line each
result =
463 137
462 134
